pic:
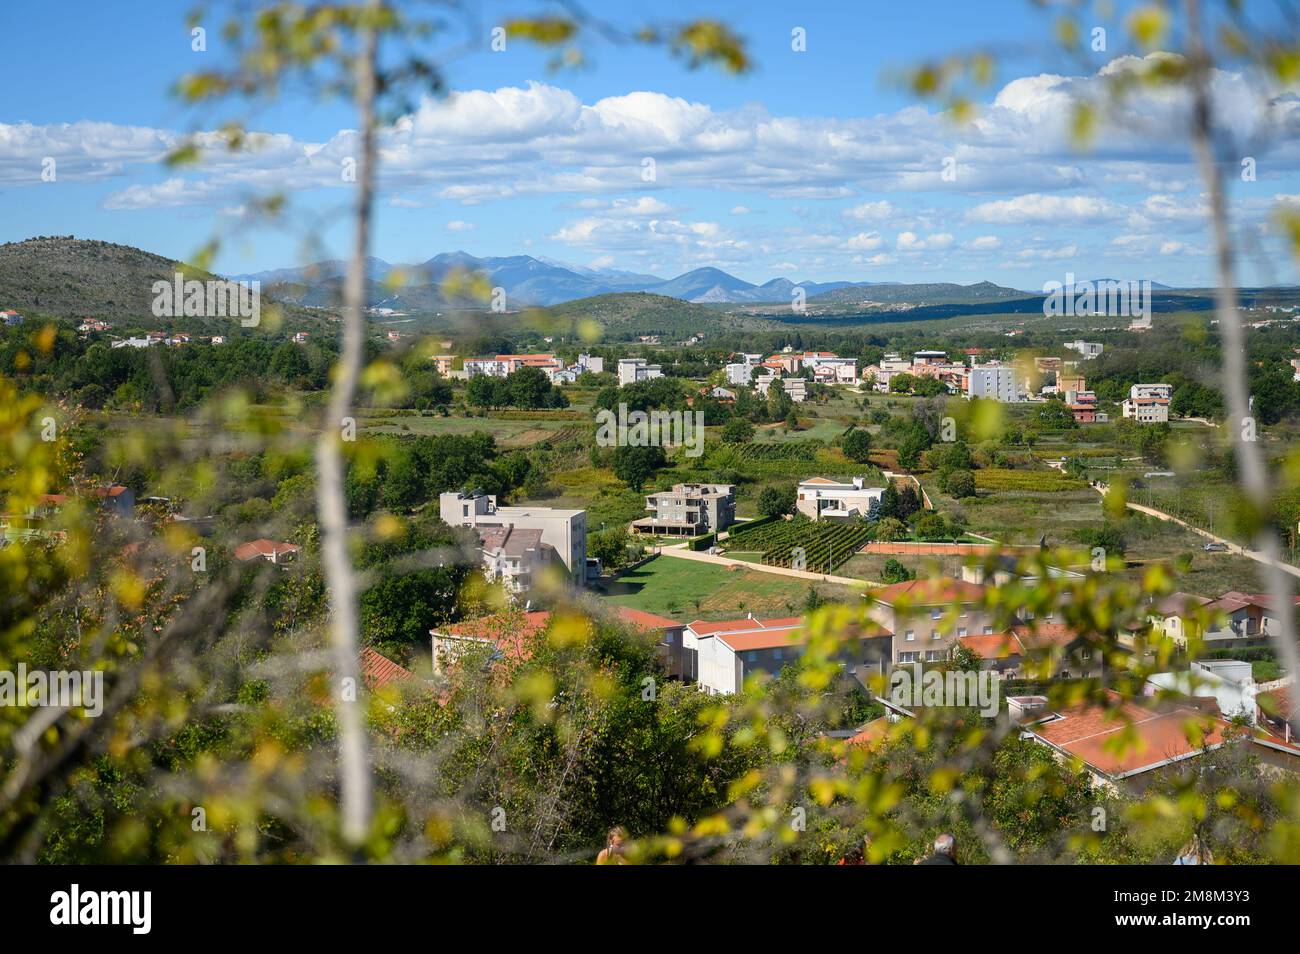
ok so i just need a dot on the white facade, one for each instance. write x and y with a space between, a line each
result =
739 373
593 363
1089 349
994 381
489 367
1229 682
1163 392
824 499
564 530
632 370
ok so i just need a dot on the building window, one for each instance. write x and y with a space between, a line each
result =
988 630
909 636
934 634
961 631
751 657
936 614
934 656
907 657
776 654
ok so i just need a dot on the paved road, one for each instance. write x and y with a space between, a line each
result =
1232 547
679 551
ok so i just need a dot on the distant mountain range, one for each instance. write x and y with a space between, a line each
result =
539 281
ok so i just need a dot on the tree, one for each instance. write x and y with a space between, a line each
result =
894 572
857 446
612 547
737 431
777 500
1055 416
960 484
635 465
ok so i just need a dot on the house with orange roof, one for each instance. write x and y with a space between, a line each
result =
929 616
509 635
272 551
671 644
377 670
729 651
1154 734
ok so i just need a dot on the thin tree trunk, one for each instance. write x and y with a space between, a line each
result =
1251 464
354 767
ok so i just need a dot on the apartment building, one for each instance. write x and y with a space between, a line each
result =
928 617
689 510
514 557
822 498
739 374
565 531
1083 405
830 368
993 381
1149 403
632 370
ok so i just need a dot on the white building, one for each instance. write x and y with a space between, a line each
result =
514 557
632 370
725 653
565 531
739 373
1089 349
824 499
134 342
797 388
995 381
1148 403
590 362
1229 682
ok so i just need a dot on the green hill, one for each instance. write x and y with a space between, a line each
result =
62 276
629 314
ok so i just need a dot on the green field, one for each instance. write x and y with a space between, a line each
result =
686 590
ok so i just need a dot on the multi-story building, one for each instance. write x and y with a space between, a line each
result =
514 557
632 370
994 381
1083 405
565 531
1089 349
797 388
739 373
689 510
824 499
1148 403
929 616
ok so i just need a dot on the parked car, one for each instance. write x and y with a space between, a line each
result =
1215 547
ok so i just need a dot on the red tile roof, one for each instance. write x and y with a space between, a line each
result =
992 646
1091 733
933 591
1039 635
377 670
263 548
871 734
643 620
513 633
701 628
763 639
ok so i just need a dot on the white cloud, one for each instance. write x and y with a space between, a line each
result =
983 243
459 225
1038 208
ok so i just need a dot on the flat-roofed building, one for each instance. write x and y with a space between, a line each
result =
822 498
689 510
565 531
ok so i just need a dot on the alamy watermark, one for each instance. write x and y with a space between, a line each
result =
62 688
651 429
1113 298
220 298
912 688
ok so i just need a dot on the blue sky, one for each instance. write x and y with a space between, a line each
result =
816 166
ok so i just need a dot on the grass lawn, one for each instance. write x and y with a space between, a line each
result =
686 590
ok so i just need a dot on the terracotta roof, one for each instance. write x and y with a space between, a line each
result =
1041 635
1091 732
1177 603
763 639
378 670
512 633
263 548
700 628
992 646
644 620
871 734
933 591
